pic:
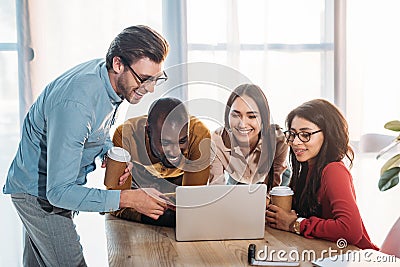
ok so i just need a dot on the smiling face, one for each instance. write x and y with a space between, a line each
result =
127 85
245 121
168 142
306 151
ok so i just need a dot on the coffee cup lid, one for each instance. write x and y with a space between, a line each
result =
119 154
281 191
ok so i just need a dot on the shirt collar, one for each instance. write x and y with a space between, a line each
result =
237 150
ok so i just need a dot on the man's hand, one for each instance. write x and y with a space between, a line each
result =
127 172
145 200
104 161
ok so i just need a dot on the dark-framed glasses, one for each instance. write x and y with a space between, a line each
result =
157 80
303 136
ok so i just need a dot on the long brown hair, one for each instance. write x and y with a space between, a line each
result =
334 148
267 132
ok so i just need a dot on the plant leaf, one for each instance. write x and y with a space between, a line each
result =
389 179
393 125
391 163
392 145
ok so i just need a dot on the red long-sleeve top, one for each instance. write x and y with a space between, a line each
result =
340 215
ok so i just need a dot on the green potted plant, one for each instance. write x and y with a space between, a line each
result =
390 178
391 169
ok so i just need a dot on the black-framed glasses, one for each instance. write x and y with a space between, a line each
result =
303 136
157 80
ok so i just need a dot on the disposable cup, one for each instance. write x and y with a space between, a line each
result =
117 157
281 196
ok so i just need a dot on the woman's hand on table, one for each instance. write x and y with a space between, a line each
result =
280 219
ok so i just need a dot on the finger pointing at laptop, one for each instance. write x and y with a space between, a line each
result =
146 201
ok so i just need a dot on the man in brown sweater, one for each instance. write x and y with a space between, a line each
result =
168 148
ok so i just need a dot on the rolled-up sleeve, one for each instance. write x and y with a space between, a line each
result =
68 129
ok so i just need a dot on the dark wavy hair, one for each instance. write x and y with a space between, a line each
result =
267 132
334 149
135 43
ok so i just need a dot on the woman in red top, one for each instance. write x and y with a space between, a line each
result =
324 203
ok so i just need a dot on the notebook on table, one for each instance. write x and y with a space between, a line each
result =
220 212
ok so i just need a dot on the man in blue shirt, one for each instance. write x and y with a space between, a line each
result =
64 131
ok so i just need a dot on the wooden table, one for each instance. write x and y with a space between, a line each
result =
135 244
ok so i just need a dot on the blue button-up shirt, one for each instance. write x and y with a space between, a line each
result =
64 131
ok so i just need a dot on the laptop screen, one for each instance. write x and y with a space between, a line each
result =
219 212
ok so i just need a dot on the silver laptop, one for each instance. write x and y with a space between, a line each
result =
219 212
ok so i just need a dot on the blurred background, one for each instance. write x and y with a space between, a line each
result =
295 50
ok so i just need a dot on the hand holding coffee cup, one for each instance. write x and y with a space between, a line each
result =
117 159
281 196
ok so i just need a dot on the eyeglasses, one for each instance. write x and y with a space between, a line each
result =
303 136
157 80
